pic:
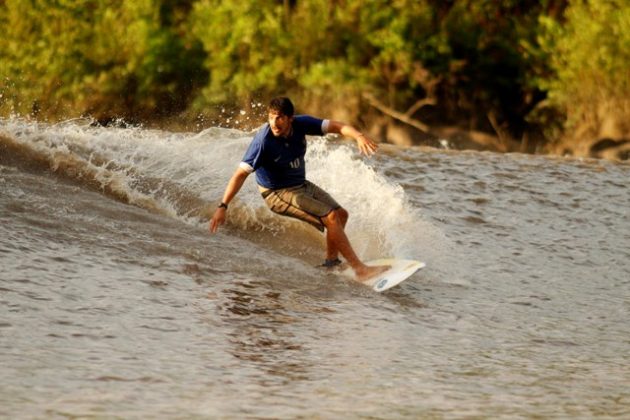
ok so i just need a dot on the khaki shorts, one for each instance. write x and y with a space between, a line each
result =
306 202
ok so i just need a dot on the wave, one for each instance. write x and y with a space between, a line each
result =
183 176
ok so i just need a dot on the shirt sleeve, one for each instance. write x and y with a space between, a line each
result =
312 126
325 124
253 156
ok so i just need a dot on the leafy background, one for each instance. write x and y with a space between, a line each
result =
547 76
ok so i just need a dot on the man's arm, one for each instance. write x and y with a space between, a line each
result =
233 187
366 145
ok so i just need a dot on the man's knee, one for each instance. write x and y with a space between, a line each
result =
343 215
338 216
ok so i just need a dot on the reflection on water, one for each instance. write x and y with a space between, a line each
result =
260 327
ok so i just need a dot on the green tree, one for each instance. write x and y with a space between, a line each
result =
376 46
38 53
246 47
105 58
589 56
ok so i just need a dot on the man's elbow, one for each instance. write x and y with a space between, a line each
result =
335 127
241 174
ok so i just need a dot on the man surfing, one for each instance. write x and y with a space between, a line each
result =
276 154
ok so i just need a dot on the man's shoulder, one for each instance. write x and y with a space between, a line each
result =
306 119
262 134
308 124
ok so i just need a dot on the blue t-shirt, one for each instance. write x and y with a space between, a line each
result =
278 161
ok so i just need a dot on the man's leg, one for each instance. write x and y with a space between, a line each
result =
338 241
313 205
332 251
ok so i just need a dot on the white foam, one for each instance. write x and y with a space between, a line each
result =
172 168
382 221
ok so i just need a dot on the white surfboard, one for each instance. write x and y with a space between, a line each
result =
400 270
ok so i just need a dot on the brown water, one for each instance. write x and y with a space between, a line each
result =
116 302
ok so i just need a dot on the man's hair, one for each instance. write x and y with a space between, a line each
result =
282 105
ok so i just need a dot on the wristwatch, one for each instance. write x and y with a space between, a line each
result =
223 205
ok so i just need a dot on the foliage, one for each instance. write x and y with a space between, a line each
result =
103 57
383 44
479 64
37 55
392 49
590 60
244 44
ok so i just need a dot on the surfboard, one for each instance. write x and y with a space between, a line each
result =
400 271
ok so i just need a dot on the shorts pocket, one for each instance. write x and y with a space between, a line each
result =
276 204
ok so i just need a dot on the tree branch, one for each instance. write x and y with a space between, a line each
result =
396 114
419 104
506 140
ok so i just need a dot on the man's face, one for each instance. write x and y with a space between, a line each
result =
279 123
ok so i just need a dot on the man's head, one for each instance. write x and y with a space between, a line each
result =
282 105
280 116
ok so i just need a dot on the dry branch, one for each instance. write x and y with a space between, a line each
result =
396 114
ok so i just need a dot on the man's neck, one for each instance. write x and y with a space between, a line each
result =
288 135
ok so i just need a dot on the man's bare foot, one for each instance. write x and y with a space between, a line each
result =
367 272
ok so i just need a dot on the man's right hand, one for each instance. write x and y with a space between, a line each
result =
235 184
218 219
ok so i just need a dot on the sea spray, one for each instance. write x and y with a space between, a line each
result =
383 222
184 175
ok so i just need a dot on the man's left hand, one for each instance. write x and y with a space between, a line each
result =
366 145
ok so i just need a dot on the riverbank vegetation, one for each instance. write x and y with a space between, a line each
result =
545 76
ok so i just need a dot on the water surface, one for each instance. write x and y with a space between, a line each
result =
116 302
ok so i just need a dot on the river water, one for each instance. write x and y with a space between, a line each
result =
115 301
